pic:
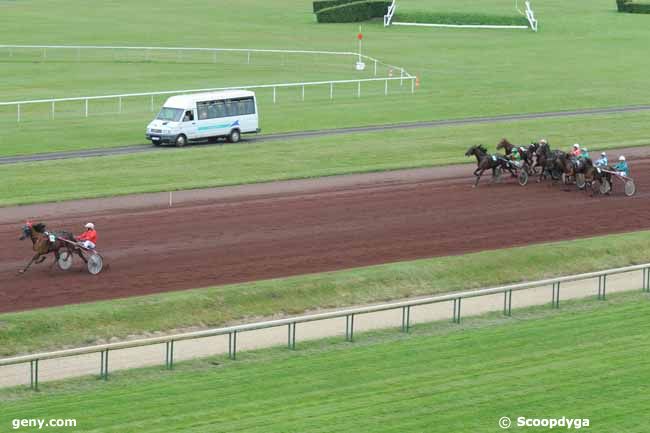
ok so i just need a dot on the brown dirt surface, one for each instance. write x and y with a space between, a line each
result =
229 235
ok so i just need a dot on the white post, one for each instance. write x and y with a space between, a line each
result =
18 112
249 57
303 92
86 108
359 89
274 95
119 104
401 77
386 88
375 68
170 199
331 90
52 109
412 85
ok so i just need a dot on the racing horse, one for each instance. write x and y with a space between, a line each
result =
485 161
572 167
44 242
549 162
526 154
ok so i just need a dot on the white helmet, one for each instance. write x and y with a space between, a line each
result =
90 226
621 158
543 141
603 154
577 146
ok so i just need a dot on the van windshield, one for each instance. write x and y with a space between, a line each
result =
170 114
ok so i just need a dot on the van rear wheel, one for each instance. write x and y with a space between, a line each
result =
234 136
181 140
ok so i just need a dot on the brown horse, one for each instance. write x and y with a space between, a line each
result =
485 161
526 156
44 242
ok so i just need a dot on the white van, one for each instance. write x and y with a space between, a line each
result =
205 116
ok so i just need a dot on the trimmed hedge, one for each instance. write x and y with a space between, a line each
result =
460 18
323 4
353 12
632 7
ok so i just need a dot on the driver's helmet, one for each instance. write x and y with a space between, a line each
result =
576 146
585 150
621 158
543 141
603 154
90 226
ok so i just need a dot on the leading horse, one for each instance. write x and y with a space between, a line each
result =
485 161
44 242
525 153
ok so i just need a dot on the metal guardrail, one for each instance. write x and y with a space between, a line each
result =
403 75
349 314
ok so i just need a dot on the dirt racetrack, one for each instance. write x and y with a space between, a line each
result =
229 235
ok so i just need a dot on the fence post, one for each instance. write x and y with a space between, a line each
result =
303 92
406 318
507 303
401 76
103 367
274 95
291 337
86 107
456 317
52 109
375 67
331 90
412 85
249 57
602 286
358 89
169 355
33 374
232 345
349 327
18 111
386 87
119 104
555 300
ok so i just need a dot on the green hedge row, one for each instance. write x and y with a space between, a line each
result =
632 7
353 12
460 18
323 4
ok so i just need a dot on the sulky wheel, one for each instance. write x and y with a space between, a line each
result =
605 186
630 188
65 260
523 177
95 264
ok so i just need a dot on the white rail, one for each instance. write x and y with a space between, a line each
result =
348 313
403 75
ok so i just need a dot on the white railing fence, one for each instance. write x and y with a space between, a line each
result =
380 74
388 18
291 323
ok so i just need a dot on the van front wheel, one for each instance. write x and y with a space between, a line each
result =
234 136
181 140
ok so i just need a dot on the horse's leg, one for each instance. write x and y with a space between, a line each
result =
22 271
477 176
82 256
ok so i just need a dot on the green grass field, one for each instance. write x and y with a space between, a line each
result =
587 360
582 57
300 158
84 324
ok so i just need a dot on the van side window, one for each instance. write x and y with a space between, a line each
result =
203 110
188 116
231 108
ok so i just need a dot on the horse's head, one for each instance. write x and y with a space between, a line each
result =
471 151
26 231
504 144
